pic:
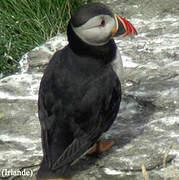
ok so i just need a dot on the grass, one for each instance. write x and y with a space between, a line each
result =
25 24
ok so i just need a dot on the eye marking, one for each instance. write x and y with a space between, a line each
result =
103 23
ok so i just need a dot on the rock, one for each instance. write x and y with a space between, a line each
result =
146 130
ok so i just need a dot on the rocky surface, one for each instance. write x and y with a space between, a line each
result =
147 128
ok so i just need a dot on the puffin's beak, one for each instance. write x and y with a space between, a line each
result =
123 27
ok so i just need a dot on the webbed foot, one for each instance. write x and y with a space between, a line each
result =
100 147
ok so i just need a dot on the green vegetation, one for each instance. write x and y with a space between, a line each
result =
24 24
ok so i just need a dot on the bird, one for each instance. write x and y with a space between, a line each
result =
80 92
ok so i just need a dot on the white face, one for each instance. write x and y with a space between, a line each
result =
97 30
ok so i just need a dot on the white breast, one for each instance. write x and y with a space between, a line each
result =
118 66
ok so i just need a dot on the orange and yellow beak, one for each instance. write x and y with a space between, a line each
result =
123 27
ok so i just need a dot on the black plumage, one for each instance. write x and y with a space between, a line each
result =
79 98
84 14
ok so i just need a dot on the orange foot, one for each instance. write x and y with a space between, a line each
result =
101 146
59 179
54 179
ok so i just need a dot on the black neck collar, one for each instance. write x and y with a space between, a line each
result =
105 53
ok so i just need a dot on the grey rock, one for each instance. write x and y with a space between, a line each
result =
146 130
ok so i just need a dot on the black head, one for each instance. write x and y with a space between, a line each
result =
93 23
85 25
91 30
88 11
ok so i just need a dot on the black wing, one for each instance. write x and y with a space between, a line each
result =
73 120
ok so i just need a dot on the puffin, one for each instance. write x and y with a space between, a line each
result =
80 92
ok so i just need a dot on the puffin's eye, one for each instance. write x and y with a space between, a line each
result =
102 23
